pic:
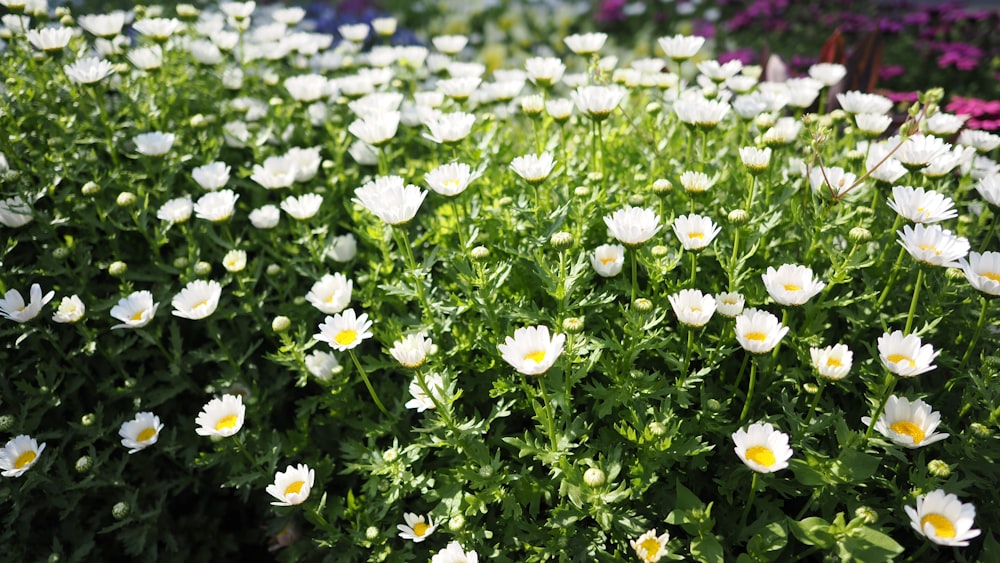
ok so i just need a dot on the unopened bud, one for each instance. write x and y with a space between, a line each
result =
84 464
867 514
273 269
125 199
202 268
594 477
573 325
486 472
181 262
120 510
480 253
978 430
60 252
6 422
90 188
636 200
371 533
738 216
280 323
643 305
860 234
939 468
659 251
561 240
456 523
657 428
810 388
581 191
117 268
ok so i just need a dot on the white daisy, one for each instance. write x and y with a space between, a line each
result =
908 424
921 206
421 401
412 350
71 309
905 356
216 206
585 43
345 330
983 271
391 200
140 432
211 176
13 306
322 365
292 486
633 226
331 294
832 362
454 553
19 454
531 350
416 528
791 284
762 448
692 307
135 310
729 303
943 519
450 179
650 547
681 47
758 331
176 211
608 259
933 245
695 231
265 217
302 207
533 168
221 416
197 300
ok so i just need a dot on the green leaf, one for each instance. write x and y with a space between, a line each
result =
707 549
866 544
812 531
767 544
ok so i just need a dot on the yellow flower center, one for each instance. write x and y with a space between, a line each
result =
907 428
24 459
761 455
899 358
146 434
138 316
200 304
607 260
346 337
833 363
696 309
926 247
420 529
536 357
650 548
792 287
452 184
993 276
228 421
942 526
294 488
696 235
758 336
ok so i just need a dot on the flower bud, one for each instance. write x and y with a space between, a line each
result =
117 268
738 216
390 455
636 200
90 188
88 419
273 269
643 305
657 428
181 262
662 186
561 240
860 234
125 199
371 533
202 268
67 21
810 388
480 253
6 422
594 477
979 430
581 191
867 514
659 251
84 464
938 468
532 106
713 405
595 176
572 325
280 323
486 472
120 510
60 253
456 523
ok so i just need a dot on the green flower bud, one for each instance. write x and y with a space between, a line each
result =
659 251
88 419
390 455
6 422
480 253
60 253
456 523
90 188
662 186
938 468
371 533
561 240
117 268
581 191
67 21
738 216
657 428
810 388
594 477
202 268
573 325
636 200
595 176
860 234
125 199
713 405
643 305
273 269
120 510
84 464
867 514
486 472
280 323
181 262
979 430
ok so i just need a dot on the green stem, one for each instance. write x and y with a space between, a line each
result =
368 383
753 188
549 417
892 278
750 498
635 272
402 241
890 384
743 369
438 405
913 301
813 405
733 270
687 352
975 335
753 382
694 266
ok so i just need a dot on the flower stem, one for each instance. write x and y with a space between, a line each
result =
753 382
402 241
813 405
975 335
635 272
892 278
890 384
913 301
750 498
694 266
549 417
368 383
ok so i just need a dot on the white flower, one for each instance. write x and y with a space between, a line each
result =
383 26
880 168
943 519
50 38
292 486
585 43
322 365
692 307
417 528
343 248
832 362
212 176
754 158
13 306
988 187
140 432
531 350
216 206
302 207
15 212
147 58
861 102
533 168
376 130
412 350
872 124
306 162
450 44
544 71
905 356
834 179
920 206
559 108
695 231
19 454
454 553
459 88
720 72
421 401
828 73
911 425
158 28
696 182
345 330
71 309
265 217
982 141
197 300
363 153
331 294
650 547
238 10
944 124
447 128
276 172
103 25
762 448
694 109
89 70
221 416
450 179
597 101
919 150
632 226
235 260
608 259
389 199
983 271
729 304
135 310
354 32
681 47
758 332
177 210
791 284
933 245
